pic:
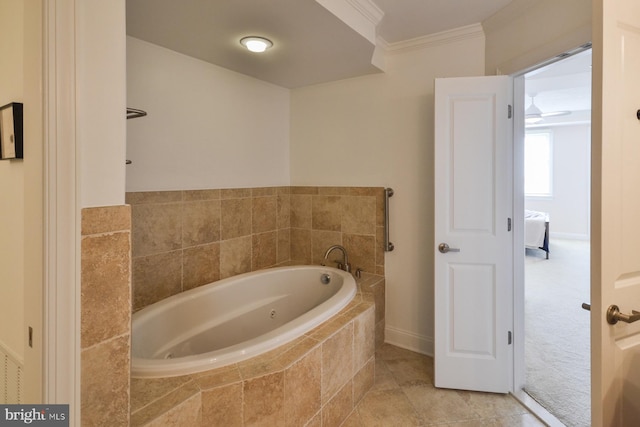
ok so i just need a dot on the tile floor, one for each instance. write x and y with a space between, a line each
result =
404 395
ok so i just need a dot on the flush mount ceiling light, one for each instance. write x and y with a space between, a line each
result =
256 44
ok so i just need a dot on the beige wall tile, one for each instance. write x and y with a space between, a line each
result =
235 256
363 338
264 217
201 265
339 407
106 288
304 190
235 218
162 406
337 361
301 211
264 250
222 406
301 245
156 277
359 215
186 414
334 191
361 251
323 240
106 219
147 390
235 193
192 195
284 246
283 209
104 383
264 191
326 213
302 389
264 400
142 197
363 380
200 222
156 228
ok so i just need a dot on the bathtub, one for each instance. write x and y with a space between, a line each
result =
235 319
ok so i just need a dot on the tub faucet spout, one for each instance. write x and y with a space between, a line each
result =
344 265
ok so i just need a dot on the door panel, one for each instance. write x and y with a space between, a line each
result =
616 207
473 286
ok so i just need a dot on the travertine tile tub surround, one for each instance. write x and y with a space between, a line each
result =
105 315
316 380
184 239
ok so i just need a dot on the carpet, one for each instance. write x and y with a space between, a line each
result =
557 341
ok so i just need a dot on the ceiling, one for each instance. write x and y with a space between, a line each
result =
318 41
562 86
311 44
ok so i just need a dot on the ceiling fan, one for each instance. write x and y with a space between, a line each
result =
533 114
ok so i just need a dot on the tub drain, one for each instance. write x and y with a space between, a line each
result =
272 314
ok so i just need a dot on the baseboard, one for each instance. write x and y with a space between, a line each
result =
409 340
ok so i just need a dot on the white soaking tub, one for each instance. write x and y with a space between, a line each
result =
235 319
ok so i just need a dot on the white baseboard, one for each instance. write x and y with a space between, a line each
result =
409 340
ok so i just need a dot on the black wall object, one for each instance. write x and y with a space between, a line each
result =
11 144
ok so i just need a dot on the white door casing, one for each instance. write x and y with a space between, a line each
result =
615 257
473 205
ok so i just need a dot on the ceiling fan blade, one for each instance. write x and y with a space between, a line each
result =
555 113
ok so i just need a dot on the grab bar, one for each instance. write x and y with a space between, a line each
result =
388 246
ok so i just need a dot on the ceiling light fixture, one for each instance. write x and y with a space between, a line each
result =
256 44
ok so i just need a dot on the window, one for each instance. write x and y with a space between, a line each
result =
538 164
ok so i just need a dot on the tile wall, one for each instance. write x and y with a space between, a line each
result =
105 315
185 239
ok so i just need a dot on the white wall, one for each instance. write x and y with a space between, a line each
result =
570 205
378 131
207 127
12 185
100 101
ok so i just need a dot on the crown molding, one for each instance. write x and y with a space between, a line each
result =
368 9
363 16
432 40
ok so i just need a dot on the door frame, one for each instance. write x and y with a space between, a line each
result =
61 293
519 365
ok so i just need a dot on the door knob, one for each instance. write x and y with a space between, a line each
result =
444 248
614 315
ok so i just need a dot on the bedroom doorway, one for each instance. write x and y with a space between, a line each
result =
557 166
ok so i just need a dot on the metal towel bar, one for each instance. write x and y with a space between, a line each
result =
388 246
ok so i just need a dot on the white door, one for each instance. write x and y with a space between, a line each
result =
616 212
473 205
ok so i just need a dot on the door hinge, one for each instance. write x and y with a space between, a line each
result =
509 338
509 111
30 337
508 224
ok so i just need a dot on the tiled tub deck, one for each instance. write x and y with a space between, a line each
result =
316 380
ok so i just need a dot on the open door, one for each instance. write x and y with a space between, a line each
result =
615 275
473 222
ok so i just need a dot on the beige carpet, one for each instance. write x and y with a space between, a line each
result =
557 343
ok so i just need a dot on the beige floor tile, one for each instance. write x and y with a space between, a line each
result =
404 395
387 408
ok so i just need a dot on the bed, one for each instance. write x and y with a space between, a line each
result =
536 230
